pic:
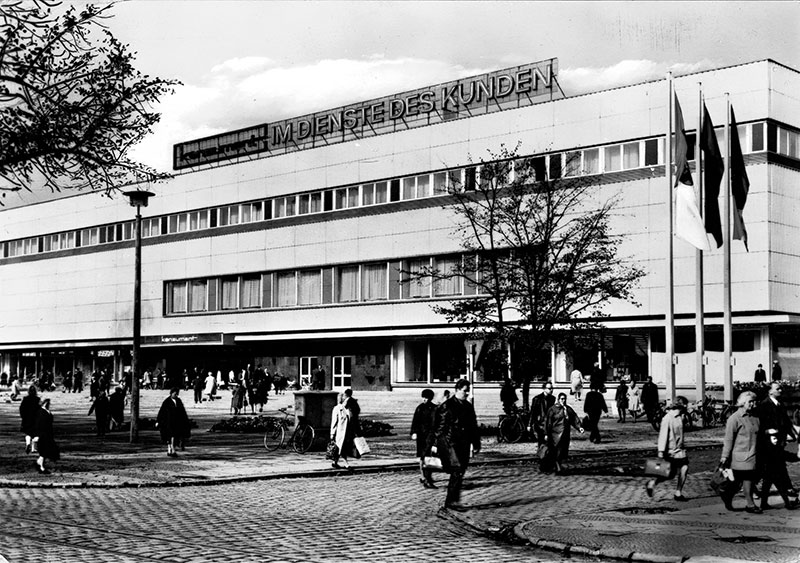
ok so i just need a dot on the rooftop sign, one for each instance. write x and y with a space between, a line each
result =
514 87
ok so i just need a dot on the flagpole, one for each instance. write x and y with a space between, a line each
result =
699 327
727 330
669 344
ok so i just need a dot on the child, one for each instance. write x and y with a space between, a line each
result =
775 472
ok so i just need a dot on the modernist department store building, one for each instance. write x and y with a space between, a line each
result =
284 244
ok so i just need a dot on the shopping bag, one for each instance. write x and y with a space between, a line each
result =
332 452
432 462
722 481
361 445
657 467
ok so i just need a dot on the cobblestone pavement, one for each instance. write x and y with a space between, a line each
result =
374 517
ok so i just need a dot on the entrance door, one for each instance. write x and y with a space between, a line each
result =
341 372
307 365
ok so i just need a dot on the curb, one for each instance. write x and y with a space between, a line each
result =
604 553
325 472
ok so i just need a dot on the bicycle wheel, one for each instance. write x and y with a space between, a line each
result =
511 430
274 438
303 438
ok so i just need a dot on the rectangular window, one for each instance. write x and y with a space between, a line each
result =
341 198
744 140
373 282
304 204
233 218
280 207
230 293
182 223
381 192
198 296
394 190
612 158
424 186
591 161
440 183
573 164
268 210
368 194
285 289
352 196
630 155
173 224
251 292
327 200
409 188
651 150
555 166
309 288
757 133
469 179
346 284
342 368
247 213
416 285
315 202
448 281
177 297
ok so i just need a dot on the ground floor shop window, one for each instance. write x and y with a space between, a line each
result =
307 365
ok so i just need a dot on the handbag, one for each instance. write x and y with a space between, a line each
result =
432 462
722 481
332 452
657 467
361 445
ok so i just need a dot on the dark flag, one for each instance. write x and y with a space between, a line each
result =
740 184
682 172
712 174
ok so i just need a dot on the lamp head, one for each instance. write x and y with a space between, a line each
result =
138 198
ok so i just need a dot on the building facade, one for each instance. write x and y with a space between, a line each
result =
285 244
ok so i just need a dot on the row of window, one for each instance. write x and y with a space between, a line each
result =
351 283
597 160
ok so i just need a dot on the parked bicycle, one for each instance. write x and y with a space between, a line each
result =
512 427
301 439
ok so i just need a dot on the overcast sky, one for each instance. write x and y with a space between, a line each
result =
249 62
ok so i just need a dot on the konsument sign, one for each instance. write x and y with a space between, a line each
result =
510 88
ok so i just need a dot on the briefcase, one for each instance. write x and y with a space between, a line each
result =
657 467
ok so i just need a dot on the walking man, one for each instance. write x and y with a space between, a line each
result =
594 407
456 430
650 401
671 447
541 404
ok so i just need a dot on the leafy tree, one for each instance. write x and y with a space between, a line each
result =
539 255
71 102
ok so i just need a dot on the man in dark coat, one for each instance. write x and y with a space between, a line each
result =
777 372
760 376
650 401
28 409
772 415
541 404
100 407
594 406
456 429
173 422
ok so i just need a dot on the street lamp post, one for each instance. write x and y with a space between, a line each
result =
137 199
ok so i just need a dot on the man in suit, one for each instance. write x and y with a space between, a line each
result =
760 375
541 404
777 371
772 415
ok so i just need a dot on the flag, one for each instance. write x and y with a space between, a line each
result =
740 184
712 176
688 222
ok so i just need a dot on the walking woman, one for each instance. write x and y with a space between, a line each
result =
422 432
343 433
557 428
45 440
739 450
172 422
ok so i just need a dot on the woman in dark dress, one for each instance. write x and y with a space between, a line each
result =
172 422
422 432
557 427
45 440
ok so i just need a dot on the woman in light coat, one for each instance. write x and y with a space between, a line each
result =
342 433
634 394
739 450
